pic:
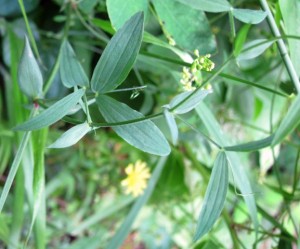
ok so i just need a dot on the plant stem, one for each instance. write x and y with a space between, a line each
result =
232 27
281 46
30 34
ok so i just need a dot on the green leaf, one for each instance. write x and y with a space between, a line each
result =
53 113
143 135
13 169
29 74
125 228
71 71
251 146
196 96
188 27
254 49
240 39
208 5
119 11
119 56
172 126
238 171
249 16
38 217
290 12
72 136
289 123
215 196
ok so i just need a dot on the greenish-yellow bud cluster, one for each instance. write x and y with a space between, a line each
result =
191 76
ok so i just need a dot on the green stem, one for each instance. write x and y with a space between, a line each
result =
232 26
281 46
53 73
30 34
88 116
90 28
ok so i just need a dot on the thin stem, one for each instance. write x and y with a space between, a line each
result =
297 162
232 26
89 119
53 73
128 89
199 132
90 28
281 46
30 34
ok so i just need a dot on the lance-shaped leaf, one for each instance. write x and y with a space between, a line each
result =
172 125
119 55
29 74
215 196
71 71
289 123
238 170
254 49
208 5
251 146
53 113
71 136
249 16
143 135
189 104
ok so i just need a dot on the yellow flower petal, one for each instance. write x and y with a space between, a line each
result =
136 181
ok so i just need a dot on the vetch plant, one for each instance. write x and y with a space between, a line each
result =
195 124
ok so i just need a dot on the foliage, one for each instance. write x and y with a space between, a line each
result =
149 124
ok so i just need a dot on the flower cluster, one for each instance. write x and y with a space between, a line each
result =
191 77
136 180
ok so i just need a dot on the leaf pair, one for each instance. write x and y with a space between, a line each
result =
217 6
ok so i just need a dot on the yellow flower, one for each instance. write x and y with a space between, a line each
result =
136 180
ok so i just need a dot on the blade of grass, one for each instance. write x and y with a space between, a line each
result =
39 139
125 228
15 165
101 214
17 210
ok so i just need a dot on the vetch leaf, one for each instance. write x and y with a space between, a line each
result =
215 6
29 75
119 56
172 125
71 71
249 16
120 10
143 135
238 171
240 39
189 28
215 196
289 123
71 136
53 113
251 146
196 97
254 49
